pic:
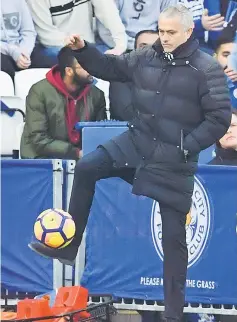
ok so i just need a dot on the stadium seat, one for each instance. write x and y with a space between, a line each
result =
26 78
12 123
7 86
104 86
207 155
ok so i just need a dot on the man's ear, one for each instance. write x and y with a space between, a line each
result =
189 32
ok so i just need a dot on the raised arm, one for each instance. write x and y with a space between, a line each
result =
27 31
10 50
106 67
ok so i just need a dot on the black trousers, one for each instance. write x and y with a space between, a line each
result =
9 66
98 165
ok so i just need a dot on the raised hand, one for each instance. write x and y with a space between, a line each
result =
75 42
212 23
23 62
231 74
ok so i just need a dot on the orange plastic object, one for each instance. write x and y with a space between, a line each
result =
68 299
71 298
33 308
7 316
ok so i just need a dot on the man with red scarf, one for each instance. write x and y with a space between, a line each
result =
53 107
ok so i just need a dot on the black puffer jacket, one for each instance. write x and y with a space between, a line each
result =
187 93
120 98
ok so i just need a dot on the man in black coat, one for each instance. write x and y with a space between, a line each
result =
183 107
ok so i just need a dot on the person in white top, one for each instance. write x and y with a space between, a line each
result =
54 20
136 15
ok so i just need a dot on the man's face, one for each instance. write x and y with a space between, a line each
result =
80 76
172 33
223 52
229 140
146 39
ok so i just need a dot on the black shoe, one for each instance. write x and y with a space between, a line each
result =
65 255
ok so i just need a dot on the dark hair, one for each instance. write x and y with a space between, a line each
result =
227 36
143 32
65 59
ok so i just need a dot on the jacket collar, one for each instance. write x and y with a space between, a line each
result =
226 155
183 51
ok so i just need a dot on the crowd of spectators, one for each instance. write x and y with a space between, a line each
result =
34 32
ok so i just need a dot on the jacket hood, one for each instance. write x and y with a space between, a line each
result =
71 117
55 79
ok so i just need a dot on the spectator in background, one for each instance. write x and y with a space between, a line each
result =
232 59
209 19
18 35
224 47
120 94
136 15
53 107
233 56
56 19
223 50
226 148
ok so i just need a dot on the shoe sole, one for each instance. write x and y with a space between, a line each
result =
61 260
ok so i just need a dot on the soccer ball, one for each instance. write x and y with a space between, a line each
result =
54 228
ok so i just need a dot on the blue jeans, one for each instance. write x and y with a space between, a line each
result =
47 55
102 47
51 53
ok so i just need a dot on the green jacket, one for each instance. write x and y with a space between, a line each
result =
45 132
